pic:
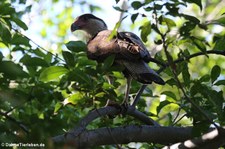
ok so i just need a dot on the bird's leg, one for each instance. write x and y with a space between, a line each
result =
137 97
127 92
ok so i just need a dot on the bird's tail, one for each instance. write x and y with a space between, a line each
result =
140 71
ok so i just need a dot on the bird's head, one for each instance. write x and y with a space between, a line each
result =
89 23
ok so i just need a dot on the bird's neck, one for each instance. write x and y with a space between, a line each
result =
95 27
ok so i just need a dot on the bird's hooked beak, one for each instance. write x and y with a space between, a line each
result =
74 27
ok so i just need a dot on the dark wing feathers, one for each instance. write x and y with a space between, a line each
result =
140 71
133 46
130 52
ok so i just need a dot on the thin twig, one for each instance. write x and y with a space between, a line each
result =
22 126
173 69
40 47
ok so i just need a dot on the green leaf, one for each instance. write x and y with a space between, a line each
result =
108 62
114 31
69 58
145 30
33 61
171 82
148 8
220 82
172 9
6 9
5 34
1 56
134 17
191 18
52 73
220 21
101 94
169 22
136 5
119 9
162 104
80 76
215 73
205 78
74 98
20 23
19 39
76 46
117 1
170 94
220 44
12 70
197 2
186 74
199 43
186 28
58 106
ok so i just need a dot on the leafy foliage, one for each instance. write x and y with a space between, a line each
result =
44 94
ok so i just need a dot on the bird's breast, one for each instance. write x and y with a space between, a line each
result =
102 46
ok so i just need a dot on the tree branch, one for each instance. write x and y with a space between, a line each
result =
109 110
131 133
21 125
165 65
210 140
145 133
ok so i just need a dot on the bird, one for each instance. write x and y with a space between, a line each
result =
129 50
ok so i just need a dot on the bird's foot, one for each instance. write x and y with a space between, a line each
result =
124 107
113 104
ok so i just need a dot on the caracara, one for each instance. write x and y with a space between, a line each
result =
127 47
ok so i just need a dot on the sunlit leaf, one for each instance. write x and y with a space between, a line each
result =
162 104
199 43
169 22
101 94
58 106
170 94
52 73
74 98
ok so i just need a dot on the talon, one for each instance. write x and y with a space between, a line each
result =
124 107
113 104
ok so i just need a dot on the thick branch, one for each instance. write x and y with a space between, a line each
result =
164 65
126 134
109 110
211 140
20 124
